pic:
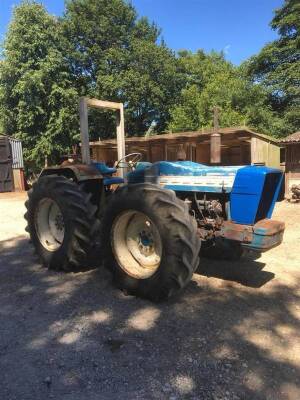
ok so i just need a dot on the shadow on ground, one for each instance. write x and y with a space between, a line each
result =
67 336
248 271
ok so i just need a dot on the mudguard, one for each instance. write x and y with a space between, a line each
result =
80 172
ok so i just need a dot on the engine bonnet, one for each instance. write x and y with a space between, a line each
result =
186 176
253 190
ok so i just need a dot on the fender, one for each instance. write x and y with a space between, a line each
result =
78 172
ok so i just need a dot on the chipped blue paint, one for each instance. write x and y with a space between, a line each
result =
262 242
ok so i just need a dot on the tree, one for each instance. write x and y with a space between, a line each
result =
100 48
37 101
277 66
116 56
211 81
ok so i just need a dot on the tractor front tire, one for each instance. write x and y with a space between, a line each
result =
61 221
149 241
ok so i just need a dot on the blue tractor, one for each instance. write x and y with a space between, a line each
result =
153 224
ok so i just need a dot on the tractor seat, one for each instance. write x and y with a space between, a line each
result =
114 180
104 169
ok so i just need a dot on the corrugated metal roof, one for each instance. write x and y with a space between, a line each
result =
293 138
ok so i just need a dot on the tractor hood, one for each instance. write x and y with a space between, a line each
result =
253 190
186 176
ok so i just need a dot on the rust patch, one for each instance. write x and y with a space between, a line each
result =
231 230
82 172
268 227
244 233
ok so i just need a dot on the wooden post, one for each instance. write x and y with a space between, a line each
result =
84 131
165 151
121 137
84 103
215 140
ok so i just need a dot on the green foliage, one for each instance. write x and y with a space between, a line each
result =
277 66
213 81
115 56
100 48
36 97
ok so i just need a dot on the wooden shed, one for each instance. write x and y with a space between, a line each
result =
6 174
292 161
237 146
11 164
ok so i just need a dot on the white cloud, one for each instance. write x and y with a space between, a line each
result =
226 49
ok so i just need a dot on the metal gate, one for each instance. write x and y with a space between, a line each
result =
6 178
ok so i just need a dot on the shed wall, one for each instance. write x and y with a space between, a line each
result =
235 150
265 152
292 166
6 178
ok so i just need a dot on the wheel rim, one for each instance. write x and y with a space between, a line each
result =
136 244
49 224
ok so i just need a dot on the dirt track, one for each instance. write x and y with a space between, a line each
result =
233 334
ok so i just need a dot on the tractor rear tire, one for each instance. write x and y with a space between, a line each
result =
149 241
61 221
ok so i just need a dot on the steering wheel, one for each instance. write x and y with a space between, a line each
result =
129 161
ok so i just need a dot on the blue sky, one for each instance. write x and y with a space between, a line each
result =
239 27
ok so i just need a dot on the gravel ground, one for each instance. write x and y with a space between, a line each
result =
232 334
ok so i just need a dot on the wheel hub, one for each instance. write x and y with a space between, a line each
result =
136 244
145 242
49 224
59 222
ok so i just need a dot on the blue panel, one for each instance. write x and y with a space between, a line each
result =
115 180
147 172
104 169
248 198
198 189
142 165
191 168
138 176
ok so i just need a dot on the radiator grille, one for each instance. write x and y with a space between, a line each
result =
270 186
